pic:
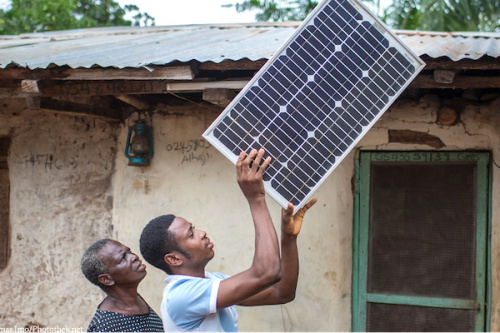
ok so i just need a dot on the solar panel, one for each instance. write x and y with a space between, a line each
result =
316 97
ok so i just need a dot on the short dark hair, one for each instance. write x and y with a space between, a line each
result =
91 264
156 241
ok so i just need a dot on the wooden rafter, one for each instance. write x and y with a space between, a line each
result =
48 88
79 109
137 103
227 65
485 63
175 73
458 82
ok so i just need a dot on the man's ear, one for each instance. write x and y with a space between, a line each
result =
172 259
106 280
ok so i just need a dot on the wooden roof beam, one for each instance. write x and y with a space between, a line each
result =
80 110
458 82
220 97
444 75
137 103
47 88
175 73
227 65
485 63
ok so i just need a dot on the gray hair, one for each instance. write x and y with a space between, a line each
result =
91 264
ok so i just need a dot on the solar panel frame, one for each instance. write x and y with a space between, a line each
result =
340 98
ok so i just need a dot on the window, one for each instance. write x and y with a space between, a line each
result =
420 242
4 202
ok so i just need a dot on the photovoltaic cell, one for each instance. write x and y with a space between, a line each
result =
316 98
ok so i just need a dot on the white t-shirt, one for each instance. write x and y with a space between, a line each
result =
189 304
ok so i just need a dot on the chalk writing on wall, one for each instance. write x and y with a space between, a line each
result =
192 157
46 161
195 150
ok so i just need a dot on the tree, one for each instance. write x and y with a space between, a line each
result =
444 15
433 15
279 10
46 15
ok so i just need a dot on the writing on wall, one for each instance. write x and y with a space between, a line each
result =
425 156
195 150
46 161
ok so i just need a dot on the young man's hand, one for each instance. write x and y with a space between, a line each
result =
291 224
249 171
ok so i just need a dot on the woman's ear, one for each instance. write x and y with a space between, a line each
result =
172 259
106 280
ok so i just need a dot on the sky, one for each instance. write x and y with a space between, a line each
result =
175 12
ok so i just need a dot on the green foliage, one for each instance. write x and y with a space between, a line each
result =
445 15
277 10
430 15
46 15
402 14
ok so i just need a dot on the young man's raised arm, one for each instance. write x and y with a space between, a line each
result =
265 269
284 291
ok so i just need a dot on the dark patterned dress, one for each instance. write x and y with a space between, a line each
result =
107 321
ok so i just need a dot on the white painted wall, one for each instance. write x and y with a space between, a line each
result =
57 213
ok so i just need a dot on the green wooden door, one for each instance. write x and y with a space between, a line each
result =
420 241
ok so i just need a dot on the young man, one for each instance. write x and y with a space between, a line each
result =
111 266
196 300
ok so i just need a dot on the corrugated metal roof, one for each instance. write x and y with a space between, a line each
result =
141 46
454 45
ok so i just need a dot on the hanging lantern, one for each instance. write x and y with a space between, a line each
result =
139 150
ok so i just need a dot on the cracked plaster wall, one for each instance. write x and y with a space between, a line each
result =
56 214
60 171
203 190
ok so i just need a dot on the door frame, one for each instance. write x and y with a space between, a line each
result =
360 297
